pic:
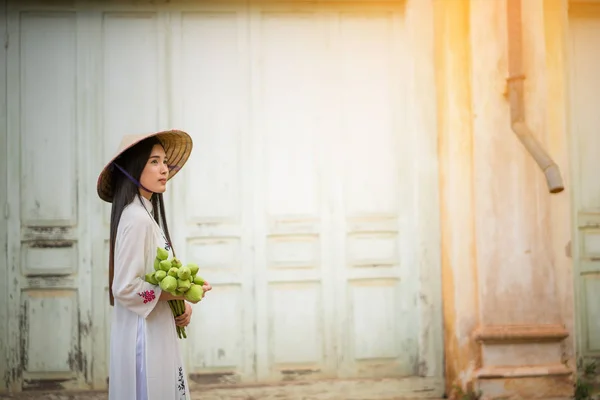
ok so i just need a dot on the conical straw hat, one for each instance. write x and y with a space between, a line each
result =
178 147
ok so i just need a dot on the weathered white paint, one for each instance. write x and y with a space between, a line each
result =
585 120
310 201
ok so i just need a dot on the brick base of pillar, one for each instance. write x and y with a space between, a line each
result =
523 362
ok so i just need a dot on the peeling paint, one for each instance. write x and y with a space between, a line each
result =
297 374
85 327
215 378
23 331
51 244
77 361
53 232
45 384
422 368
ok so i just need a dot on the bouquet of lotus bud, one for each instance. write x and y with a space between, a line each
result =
177 279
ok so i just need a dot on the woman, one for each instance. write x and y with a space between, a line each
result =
145 362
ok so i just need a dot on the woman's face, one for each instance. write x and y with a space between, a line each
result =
155 173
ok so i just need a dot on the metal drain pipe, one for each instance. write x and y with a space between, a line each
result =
517 103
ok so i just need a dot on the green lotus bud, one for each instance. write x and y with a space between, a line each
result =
193 269
151 279
183 285
176 262
199 281
160 275
184 273
165 265
161 253
178 293
156 264
173 272
194 294
168 284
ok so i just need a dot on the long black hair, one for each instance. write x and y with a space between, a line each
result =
133 160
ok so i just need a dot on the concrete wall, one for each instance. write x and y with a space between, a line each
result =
507 281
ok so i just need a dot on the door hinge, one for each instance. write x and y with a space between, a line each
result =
6 210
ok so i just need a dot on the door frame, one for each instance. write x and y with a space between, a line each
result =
423 132
14 312
4 210
579 218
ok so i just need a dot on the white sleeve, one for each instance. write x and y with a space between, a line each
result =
129 286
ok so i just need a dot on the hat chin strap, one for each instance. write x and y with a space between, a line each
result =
132 179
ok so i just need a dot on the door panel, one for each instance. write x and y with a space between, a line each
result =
210 197
131 99
378 287
290 93
47 264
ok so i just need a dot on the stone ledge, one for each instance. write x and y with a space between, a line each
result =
495 372
557 387
520 333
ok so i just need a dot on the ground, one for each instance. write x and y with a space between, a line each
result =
383 389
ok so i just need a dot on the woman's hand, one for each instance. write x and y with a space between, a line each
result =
206 287
166 296
184 319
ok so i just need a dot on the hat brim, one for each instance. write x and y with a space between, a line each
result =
178 147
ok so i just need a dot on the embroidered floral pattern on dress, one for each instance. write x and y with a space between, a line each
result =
181 383
147 295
